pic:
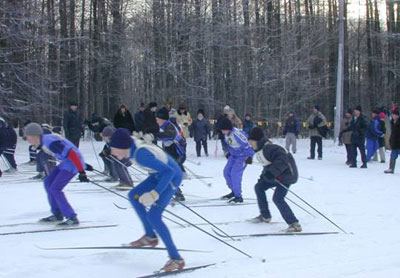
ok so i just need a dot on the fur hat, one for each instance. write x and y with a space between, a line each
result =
33 129
358 107
226 124
200 111
152 104
121 139
256 134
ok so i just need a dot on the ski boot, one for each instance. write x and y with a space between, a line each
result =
293 228
72 221
144 241
174 264
392 165
236 200
260 219
52 218
228 196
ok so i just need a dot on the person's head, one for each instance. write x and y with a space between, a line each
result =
200 114
33 133
121 143
348 113
226 109
374 113
122 108
107 132
247 117
141 107
182 108
256 135
226 126
316 109
357 111
173 113
382 116
73 106
153 106
290 114
162 116
395 114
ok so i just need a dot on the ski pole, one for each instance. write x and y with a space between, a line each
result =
194 174
204 231
113 159
94 149
310 178
193 162
209 222
287 198
122 196
6 163
337 226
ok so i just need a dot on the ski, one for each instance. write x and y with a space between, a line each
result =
38 223
118 248
176 272
221 205
276 234
57 229
226 223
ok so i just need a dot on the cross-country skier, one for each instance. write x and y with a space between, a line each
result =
239 155
71 163
109 167
279 165
8 143
155 192
394 141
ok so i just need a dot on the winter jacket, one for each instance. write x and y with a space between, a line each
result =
248 126
8 137
238 145
200 129
149 122
172 141
346 137
373 131
358 127
292 125
183 119
315 121
62 149
395 135
97 123
139 121
278 163
382 128
72 124
217 126
124 120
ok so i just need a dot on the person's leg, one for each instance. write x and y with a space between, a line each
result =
198 148
354 155
122 173
48 181
32 153
370 148
56 187
319 142
287 143
362 152
228 171
260 188
279 200
9 155
348 152
294 143
205 146
382 154
312 147
236 175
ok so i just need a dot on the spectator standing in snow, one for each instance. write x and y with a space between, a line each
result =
8 143
150 123
291 131
183 119
248 124
123 119
139 118
373 134
200 130
394 140
72 124
346 137
315 121
381 139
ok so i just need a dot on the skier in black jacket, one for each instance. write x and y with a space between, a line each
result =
149 122
279 168
123 119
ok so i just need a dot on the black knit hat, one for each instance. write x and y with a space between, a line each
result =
256 134
316 106
152 104
358 107
350 111
226 124
121 139
200 111
73 103
375 111
162 113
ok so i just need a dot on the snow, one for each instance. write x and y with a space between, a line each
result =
361 201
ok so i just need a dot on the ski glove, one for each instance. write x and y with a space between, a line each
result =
227 155
82 177
249 160
89 167
148 198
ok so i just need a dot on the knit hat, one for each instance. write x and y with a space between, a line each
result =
226 124
33 129
375 111
395 112
173 113
108 131
73 103
152 104
358 107
141 104
200 111
121 139
182 106
382 115
247 115
226 109
256 134
349 111
162 113
316 106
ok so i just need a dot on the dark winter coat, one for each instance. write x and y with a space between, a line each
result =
346 137
248 126
200 129
97 123
278 163
72 124
8 138
359 127
395 135
124 120
139 120
150 123
217 126
292 125
382 128
373 131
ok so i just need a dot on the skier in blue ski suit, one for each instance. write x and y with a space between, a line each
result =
155 192
240 153
373 134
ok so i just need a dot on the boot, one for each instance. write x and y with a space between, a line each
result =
72 221
52 218
174 264
260 219
293 228
145 241
392 165
39 176
179 196
364 165
236 200
228 196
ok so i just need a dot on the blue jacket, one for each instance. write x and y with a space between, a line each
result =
139 120
292 125
238 145
61 148
248 126
200 129
373 131
157 162
171 140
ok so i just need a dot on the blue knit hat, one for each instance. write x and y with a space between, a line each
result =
226 124
121 139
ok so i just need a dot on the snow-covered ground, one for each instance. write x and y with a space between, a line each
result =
364 202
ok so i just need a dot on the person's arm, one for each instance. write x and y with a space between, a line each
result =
57 147
168 134
323 122
279 161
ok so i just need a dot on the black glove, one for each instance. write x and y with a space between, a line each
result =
1 173
89 167
82 177
227 155
249 160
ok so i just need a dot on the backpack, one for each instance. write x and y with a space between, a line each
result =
323 131
293 168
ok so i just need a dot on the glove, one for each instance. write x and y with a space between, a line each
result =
148 198
148 138
89 167
249 160
1 173
227 155
382 135
82 177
